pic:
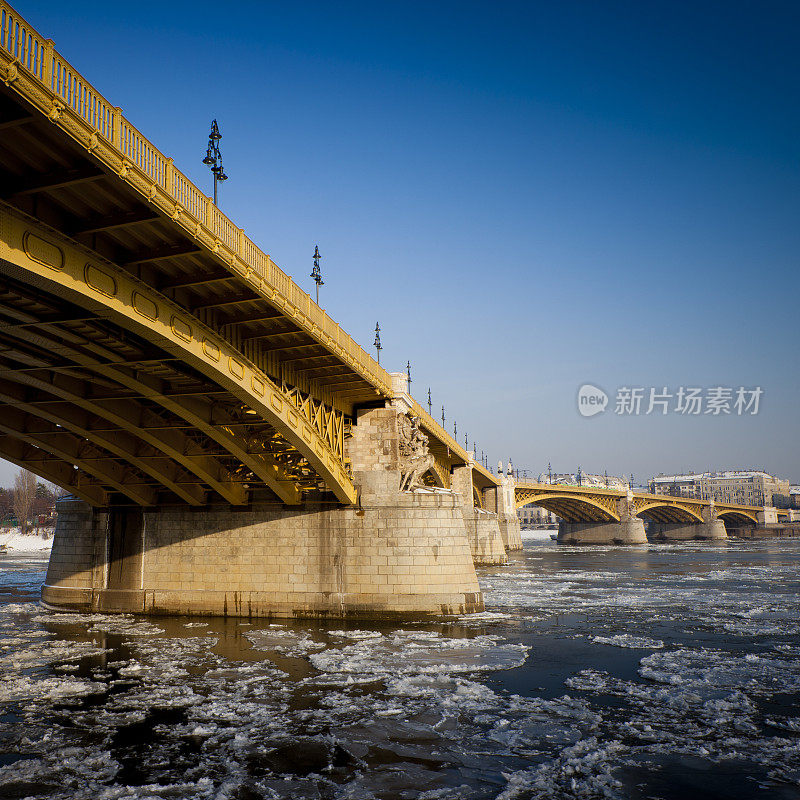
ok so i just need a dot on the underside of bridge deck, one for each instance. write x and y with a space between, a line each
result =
112 416
55 181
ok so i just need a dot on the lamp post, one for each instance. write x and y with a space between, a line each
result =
408 374
430 405
213 157
443 416
315 273
377 343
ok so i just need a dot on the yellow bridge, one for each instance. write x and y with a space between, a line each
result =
597 504
149 350
154 361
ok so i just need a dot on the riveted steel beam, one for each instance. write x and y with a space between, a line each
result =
79 451
120 442
63 269
53 469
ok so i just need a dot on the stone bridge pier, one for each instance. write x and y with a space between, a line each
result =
629 529
395 554
501 498
710 529
482 525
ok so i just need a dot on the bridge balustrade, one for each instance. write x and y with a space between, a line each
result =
38 56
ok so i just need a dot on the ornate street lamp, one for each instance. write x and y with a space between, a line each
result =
377 343
430 405
213 157
443 416
408 373
315 273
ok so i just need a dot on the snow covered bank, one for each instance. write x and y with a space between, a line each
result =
14 540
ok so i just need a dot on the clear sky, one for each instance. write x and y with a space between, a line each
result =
528 197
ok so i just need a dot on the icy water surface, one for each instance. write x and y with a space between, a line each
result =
655 672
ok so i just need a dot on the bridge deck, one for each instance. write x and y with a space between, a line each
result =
74 165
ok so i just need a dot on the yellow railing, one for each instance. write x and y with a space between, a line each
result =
37 55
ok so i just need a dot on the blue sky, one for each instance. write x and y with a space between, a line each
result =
528 196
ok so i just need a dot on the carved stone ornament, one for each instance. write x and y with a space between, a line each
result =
415 459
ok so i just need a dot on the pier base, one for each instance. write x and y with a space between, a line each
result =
407 557
664 532
510 531
626 532
484 537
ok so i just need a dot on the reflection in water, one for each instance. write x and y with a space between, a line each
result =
667 671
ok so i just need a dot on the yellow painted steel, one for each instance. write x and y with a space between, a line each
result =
45 259
31 66
607 500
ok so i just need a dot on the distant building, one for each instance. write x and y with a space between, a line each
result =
742 487
533 516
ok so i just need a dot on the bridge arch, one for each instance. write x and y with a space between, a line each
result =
433 477
40 258
737 517
667 512
571 507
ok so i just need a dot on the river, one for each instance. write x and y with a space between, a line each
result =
666 671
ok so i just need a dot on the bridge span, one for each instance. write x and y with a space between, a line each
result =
591 514
228 447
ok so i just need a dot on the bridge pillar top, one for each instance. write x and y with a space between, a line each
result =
401 394
462 482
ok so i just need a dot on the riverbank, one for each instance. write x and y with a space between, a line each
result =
29 543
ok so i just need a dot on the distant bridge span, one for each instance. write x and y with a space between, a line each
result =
596 504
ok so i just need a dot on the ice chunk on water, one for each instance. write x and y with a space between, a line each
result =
627 640
287 642
16 688
419 652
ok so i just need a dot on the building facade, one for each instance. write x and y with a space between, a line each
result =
743 487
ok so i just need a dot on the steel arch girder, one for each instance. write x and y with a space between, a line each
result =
690 512
52 469
540 498
121 413
49 261
733 512
121 444
64 445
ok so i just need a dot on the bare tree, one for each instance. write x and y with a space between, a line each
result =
24 495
